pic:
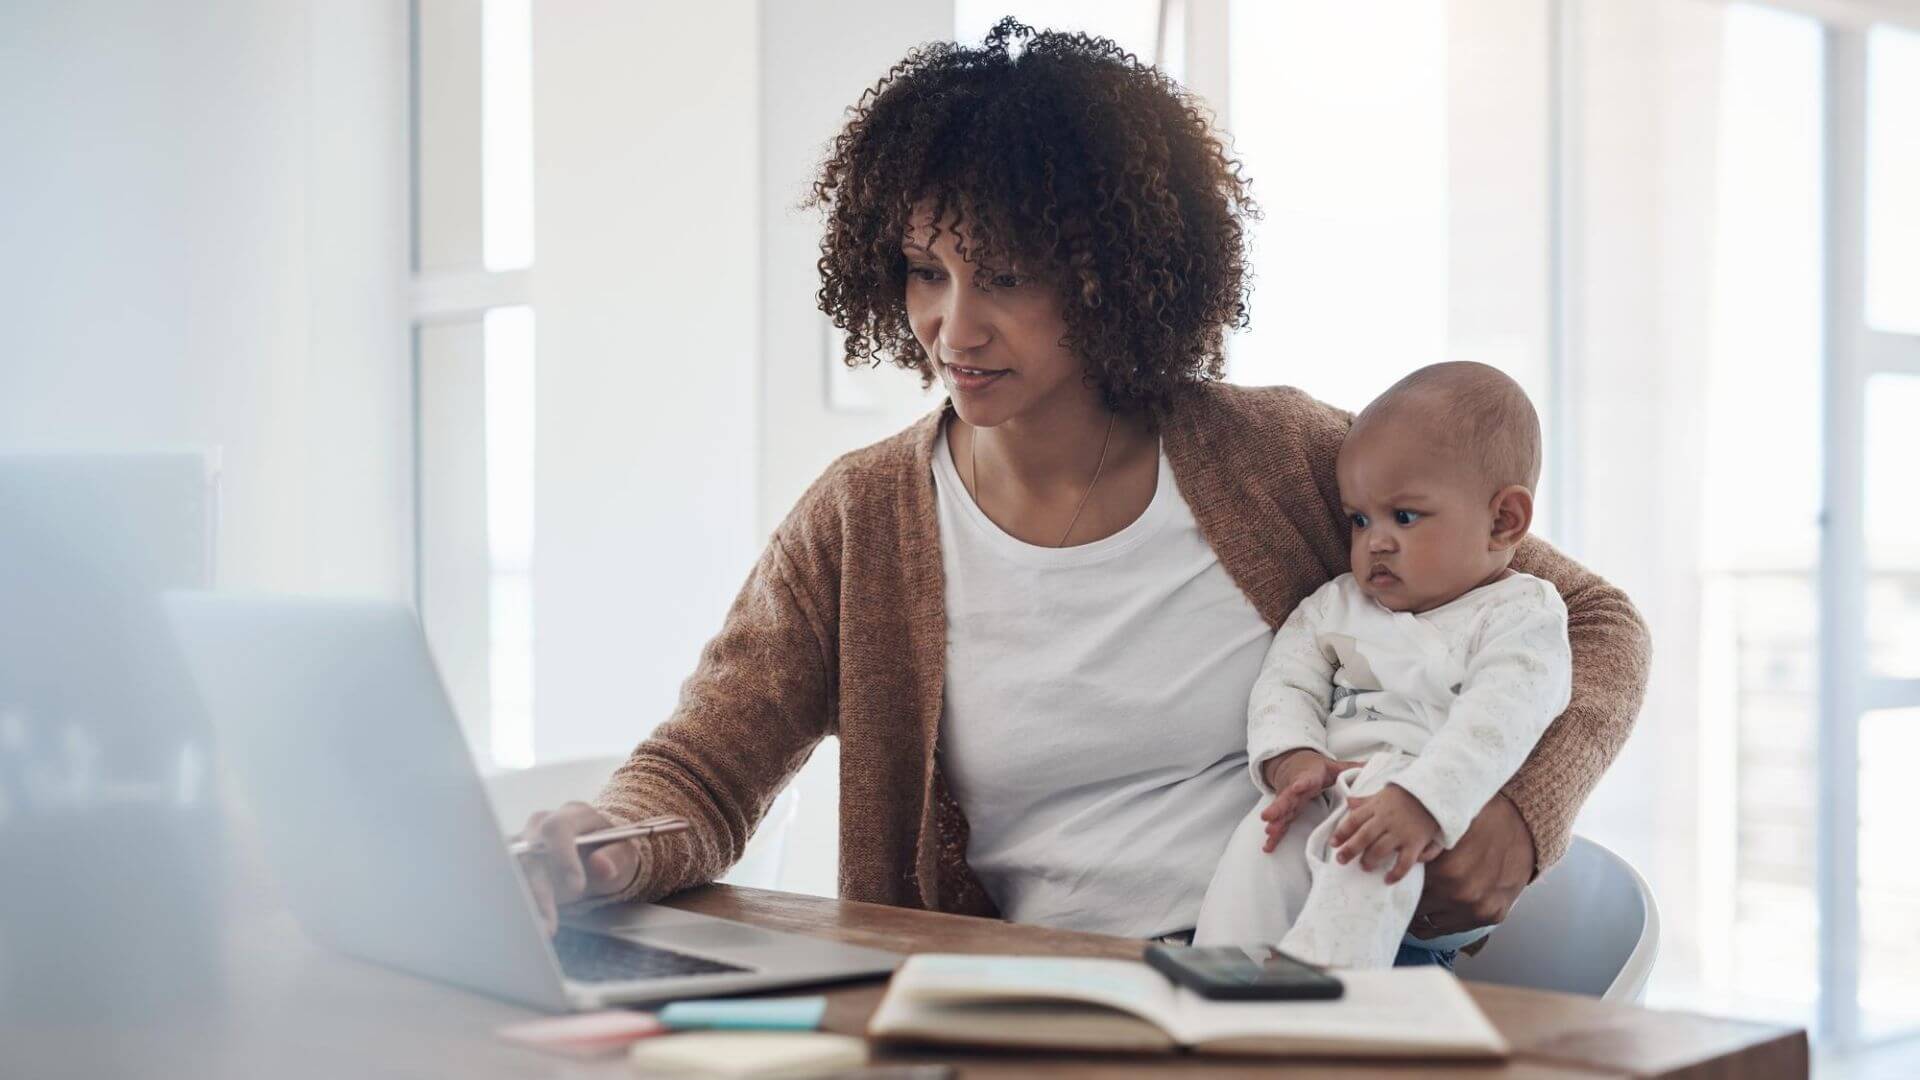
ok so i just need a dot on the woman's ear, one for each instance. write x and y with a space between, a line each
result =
1512 516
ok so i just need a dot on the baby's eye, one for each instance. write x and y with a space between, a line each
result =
1359 520
1406 517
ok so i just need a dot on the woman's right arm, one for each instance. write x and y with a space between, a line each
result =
747 720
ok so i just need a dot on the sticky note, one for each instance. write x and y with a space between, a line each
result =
739 1054
763 1014
585 1034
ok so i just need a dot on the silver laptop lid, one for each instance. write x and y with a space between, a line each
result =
368 804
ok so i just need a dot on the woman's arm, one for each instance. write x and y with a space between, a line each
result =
1287 709
1527 827
747 720
1611 655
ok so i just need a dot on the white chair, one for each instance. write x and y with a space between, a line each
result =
1588 926
517 793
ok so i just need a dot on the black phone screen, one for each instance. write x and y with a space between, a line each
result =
1255 973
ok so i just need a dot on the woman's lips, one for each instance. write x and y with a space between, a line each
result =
973 380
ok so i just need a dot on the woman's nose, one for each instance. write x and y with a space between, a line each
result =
963 326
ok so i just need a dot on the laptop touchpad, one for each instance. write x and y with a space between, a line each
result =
720 936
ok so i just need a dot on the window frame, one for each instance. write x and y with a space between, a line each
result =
1854 353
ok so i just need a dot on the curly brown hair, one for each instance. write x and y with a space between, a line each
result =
1068 158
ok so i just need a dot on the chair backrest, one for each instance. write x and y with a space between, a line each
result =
1588 926
517 793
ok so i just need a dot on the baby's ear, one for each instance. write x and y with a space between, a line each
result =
1512 517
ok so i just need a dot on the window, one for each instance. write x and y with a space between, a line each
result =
1893 180
474 363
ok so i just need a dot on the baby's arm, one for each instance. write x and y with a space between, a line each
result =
1287 709
1287 718
1518 679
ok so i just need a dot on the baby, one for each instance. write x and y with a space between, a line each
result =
1397 699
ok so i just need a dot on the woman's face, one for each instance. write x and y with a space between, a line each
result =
996 346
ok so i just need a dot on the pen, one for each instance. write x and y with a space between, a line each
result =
649 827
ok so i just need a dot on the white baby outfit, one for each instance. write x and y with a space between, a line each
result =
1446 703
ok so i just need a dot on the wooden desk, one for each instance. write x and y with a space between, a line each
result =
1553 1035
285 1008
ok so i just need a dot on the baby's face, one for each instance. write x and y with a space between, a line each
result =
1422 526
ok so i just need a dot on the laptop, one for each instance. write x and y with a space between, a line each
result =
373 817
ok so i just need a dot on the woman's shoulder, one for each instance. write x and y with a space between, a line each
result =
883 466
1231 415
1235 419
1258 433
873 482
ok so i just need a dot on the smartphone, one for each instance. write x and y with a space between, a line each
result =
1231 973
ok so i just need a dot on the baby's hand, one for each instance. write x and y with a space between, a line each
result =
1296 776
1388 829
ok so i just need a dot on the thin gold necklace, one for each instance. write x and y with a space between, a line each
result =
973 470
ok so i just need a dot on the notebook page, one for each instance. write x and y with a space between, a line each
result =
1051 1025
1127 985
1387 1013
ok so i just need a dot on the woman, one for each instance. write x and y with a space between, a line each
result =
1033 618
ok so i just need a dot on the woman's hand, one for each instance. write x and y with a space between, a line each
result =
1476 882
1296 777
558 874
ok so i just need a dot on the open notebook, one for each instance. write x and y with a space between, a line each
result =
1072 1003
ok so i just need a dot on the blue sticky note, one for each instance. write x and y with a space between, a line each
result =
763 1014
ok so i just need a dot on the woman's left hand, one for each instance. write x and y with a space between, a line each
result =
1476 882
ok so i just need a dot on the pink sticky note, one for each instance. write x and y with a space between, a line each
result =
584 1034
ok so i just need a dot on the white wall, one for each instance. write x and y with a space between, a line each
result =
645 288
205 220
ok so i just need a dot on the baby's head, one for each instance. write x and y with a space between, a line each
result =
1436 478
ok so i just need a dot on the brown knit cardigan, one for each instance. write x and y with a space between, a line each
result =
841 630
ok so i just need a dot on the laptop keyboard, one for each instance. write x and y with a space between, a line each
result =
589 957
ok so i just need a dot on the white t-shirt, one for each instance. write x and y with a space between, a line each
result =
1095 713
1464 691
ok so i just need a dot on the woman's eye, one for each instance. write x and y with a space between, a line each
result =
1359 520
923 273
1406 517
1006 281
